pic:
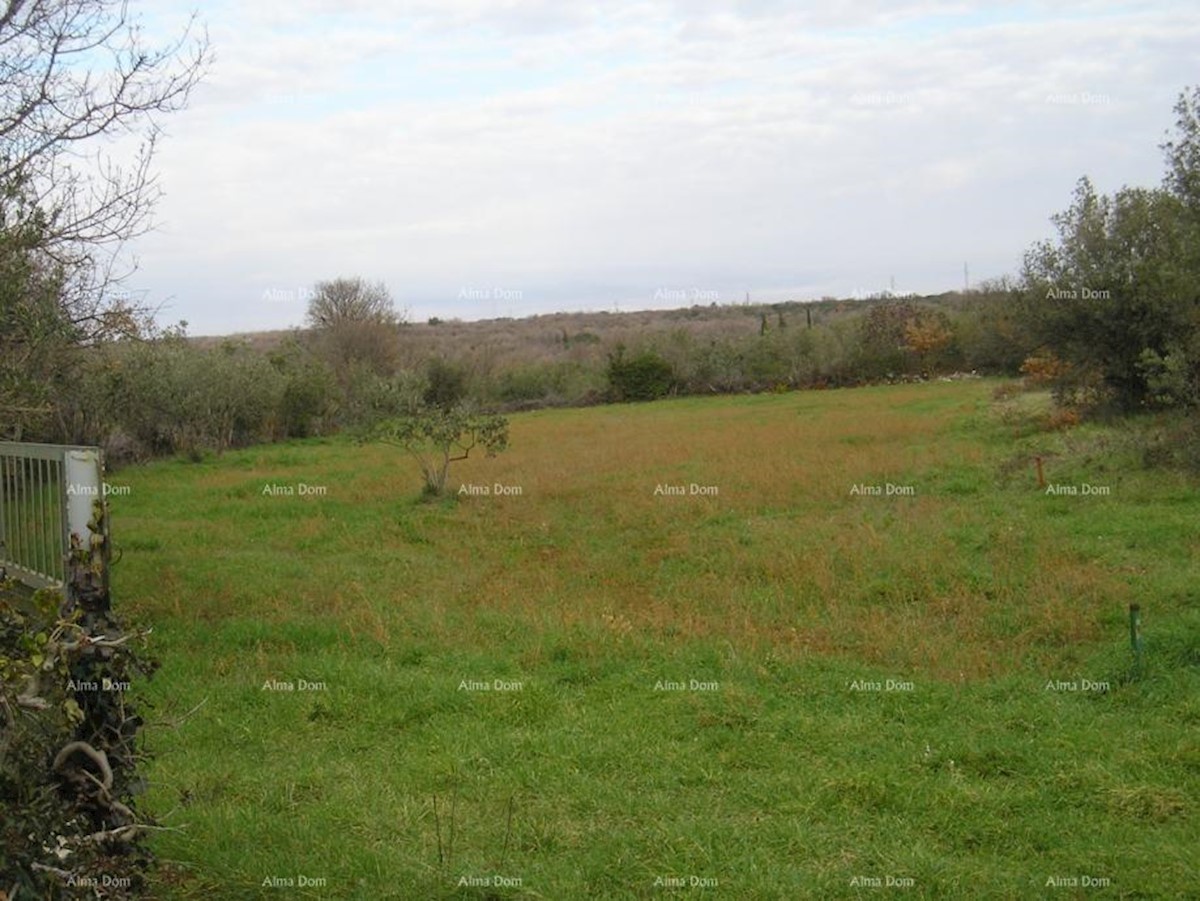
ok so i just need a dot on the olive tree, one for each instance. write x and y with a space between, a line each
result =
435 435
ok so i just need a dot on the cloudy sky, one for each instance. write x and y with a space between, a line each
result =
505 157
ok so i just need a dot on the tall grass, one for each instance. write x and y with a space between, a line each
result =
787 688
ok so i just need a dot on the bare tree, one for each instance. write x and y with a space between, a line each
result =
71 72
354 327
346 300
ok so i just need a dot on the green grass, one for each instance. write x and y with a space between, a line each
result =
788 775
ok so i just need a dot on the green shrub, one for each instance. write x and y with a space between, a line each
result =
309 389
645 376
768 360
882 340
551 384
446 383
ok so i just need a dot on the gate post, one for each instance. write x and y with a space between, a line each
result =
85 530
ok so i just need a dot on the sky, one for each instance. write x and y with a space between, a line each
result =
488 158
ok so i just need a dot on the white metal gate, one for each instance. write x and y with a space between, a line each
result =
48 494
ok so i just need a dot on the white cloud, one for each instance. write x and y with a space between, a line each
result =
567 151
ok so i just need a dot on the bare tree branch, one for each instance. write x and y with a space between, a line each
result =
72 72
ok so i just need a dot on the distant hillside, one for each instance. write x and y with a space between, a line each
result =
527 339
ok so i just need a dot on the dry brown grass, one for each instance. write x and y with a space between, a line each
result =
784 556
962 580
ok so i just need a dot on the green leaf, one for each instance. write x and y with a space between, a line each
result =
73 710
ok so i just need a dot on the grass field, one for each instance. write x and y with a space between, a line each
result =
785 686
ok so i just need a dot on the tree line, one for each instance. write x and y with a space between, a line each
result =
1106 313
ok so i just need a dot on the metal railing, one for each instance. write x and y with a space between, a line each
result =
47 495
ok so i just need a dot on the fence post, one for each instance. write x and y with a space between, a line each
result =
84 483
85 510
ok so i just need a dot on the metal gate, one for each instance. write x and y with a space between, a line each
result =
48 498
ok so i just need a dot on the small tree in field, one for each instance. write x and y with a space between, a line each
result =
436 436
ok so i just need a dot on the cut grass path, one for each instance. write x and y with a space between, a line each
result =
788 688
